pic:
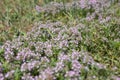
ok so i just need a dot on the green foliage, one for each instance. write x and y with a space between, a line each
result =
17 74
101 40
1 55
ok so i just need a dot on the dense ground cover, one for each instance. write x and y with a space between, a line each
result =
60 40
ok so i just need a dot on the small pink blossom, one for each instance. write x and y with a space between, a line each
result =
118 78
71 74
93 1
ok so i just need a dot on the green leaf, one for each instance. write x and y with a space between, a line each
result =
17 74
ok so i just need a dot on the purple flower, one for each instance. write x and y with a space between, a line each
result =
71 74
63 43
62 57
118 78
8 54
105 20
74 30
44 60
29 66
47 74
27 77
37 8
1 76
92 1
82 4
75 55
10 74
59 66
76 66
48 50
27 54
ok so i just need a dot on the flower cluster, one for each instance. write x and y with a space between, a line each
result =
92 9
42 57
55 50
